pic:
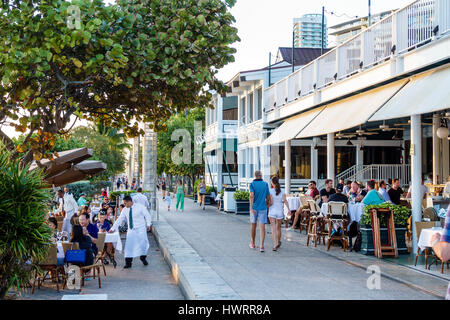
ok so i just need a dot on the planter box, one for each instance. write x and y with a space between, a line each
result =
208 199
242 207
367 239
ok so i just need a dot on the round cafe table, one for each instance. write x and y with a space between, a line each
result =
294 204
114 238
426 235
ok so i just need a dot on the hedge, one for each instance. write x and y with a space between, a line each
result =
87 187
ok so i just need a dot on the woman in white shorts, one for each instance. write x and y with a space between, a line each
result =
276 213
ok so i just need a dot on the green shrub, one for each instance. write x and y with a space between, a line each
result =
24 236
222 192
196 183
241 195
401 214
209 190
114 194
90 188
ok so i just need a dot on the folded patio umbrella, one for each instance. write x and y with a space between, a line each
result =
76 173
64 161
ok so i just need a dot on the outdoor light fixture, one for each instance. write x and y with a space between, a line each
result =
394 47
349 143
315 147
442 132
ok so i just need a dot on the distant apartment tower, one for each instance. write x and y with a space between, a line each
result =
308 31
348 29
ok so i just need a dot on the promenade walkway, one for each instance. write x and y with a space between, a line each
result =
295 271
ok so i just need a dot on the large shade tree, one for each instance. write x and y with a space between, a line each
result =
132 61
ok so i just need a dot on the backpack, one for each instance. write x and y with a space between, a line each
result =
357 245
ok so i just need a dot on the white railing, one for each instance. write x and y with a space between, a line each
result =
402 31
377 172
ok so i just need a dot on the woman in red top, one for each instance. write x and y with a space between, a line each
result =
312 190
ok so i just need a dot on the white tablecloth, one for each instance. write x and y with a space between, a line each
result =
114 238
355 211
425 237
294 204
60 253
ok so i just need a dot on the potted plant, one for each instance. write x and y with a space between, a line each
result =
242 202
208 198
401 215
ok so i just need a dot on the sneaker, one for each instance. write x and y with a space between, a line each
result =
203 208
261 249
252 246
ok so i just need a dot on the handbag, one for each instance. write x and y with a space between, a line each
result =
75 256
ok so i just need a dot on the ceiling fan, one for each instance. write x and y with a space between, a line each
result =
384 127
409 123
396 137
341 135
360 132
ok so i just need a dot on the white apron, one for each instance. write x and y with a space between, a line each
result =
136 244
67 226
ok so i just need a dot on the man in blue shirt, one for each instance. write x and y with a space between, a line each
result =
372 197
259 196
89 230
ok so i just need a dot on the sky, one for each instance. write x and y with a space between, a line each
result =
265 25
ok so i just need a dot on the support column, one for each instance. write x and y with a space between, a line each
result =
445 160
416 174
436 149
287 166
149 174
330 156
314 160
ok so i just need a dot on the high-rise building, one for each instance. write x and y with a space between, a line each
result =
308 31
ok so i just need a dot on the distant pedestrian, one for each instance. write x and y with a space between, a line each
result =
118 183
163 187
202 193
276 212
259 197
168 200
180 196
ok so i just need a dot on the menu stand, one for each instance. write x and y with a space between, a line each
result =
391 248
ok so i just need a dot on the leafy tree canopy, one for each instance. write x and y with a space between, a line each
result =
135 60
166 145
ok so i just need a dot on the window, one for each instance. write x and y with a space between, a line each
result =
242 161
242 111
345 158
301 162
259 95
250 108
322 162
251 165
276 161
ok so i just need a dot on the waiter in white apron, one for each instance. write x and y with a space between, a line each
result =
69 206
139 222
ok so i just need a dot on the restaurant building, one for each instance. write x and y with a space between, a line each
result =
374 107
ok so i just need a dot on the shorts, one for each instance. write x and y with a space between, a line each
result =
202 194
260 217
276 215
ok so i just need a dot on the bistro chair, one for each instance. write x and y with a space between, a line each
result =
95 269
101 250
305 213
337 214
315 224
427 252
50 266
430 213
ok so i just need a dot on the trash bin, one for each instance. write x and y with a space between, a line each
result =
229 204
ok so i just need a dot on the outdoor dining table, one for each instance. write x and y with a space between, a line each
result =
426 236
355 211
114 238
294 204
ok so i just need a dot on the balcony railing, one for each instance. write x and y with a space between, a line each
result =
400 32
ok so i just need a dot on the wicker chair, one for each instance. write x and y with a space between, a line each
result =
315 224
101 250
427 252
337 213
49 266
305 213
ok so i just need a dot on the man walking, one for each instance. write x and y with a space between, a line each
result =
259 197
139 222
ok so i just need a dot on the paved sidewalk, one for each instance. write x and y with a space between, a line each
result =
295 271
152 282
